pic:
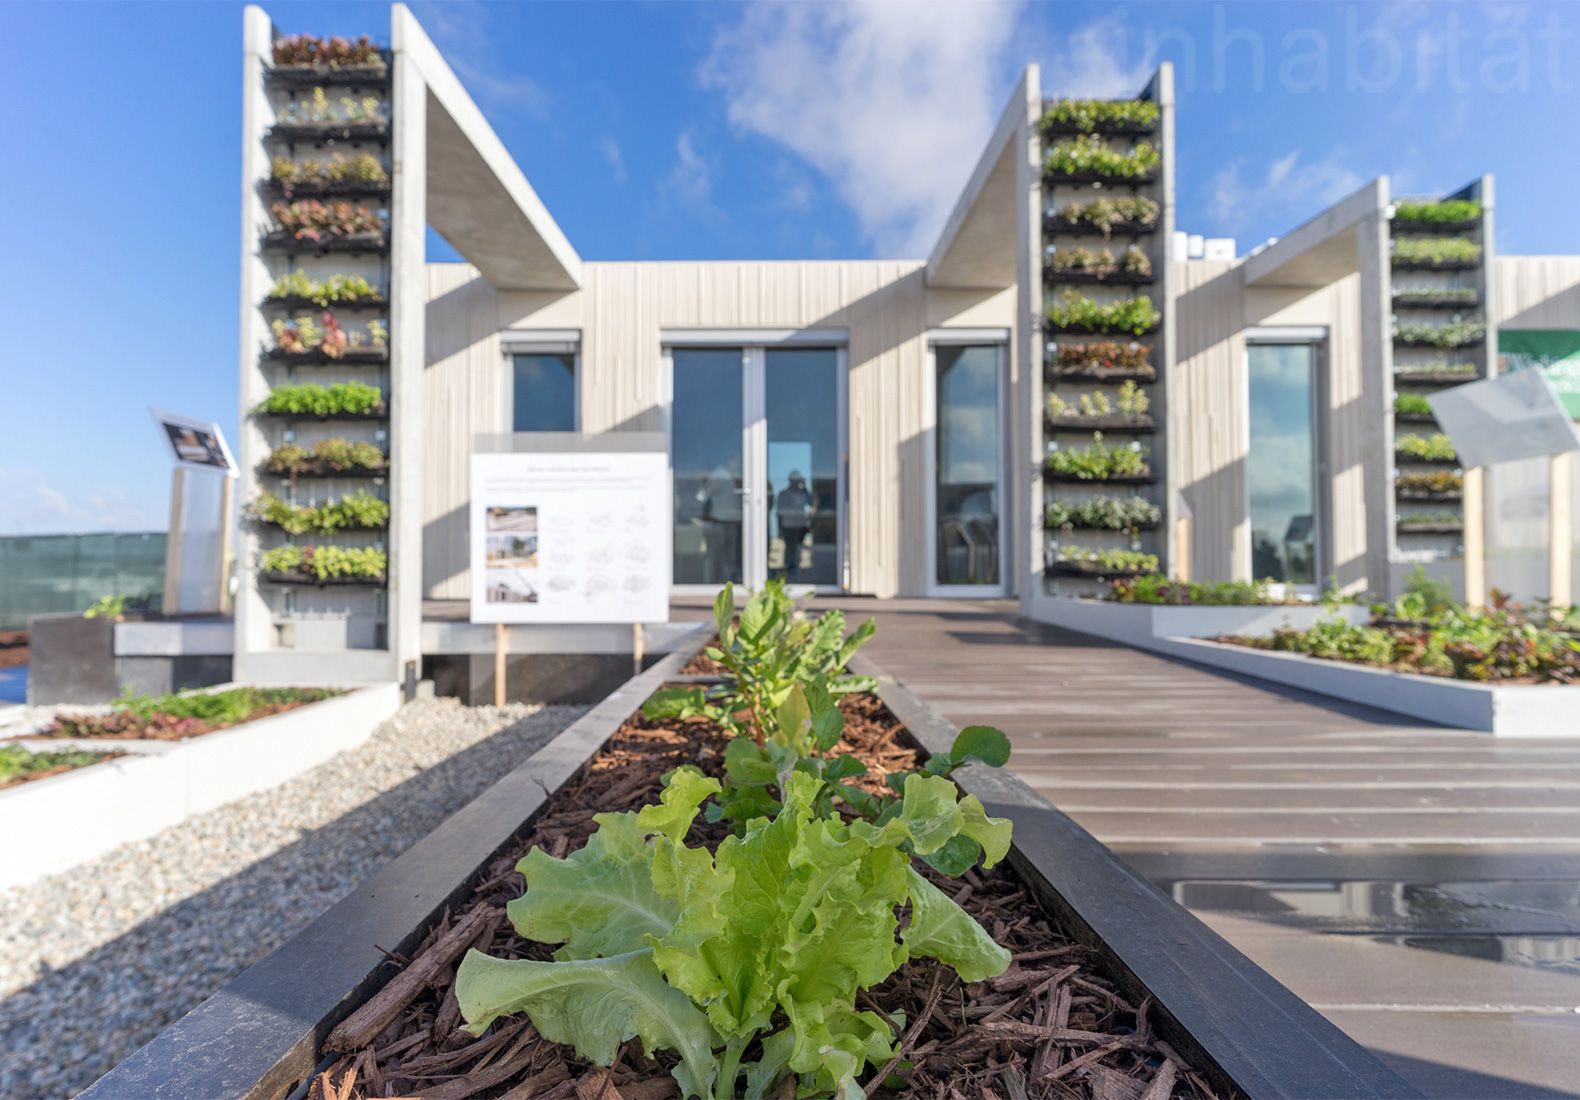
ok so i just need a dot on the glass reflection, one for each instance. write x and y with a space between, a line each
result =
706 453
966 481
1281 473
801 389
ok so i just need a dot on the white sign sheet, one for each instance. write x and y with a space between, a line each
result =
559 537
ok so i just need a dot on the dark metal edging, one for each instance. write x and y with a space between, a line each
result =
1215 1006
258 1037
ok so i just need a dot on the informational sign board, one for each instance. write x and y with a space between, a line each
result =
196 444
570 537
1554 352
1505 419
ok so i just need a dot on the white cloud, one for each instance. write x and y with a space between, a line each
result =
611 153
460 28
891 102
30 505
691 179
1093 61
1288 184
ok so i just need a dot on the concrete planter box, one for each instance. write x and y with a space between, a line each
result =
1147 626
80 814
1531 710
258 1037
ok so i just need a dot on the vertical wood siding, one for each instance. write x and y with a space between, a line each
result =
1537 292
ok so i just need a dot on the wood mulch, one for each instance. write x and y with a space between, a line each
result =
13 648
127 726
1051 1026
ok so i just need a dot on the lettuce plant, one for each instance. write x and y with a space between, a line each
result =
1134 315
760 948
312 399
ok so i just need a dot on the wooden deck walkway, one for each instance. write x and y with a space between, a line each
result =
1420 886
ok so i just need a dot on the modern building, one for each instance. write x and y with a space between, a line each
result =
1002 417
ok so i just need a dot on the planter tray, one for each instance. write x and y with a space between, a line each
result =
307 303
1400 342
1402 225
1400 264
1411 460
1140 425
330 132
312 76
1432 378
1435 301
1415 418
356 357
1116 128
1053 224
1084 330
1116 278
355 530
1430 528
325 475
1090 569
1057 179
1406 494
1098 482
1090 374
327 582
283 241
258 1036
340 189
381 413
1153 526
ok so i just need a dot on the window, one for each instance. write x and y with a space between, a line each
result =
1282 471
966 465
543 388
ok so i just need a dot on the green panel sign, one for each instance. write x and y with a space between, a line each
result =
1555 352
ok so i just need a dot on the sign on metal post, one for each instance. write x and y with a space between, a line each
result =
198 546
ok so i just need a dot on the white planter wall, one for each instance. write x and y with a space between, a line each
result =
1146 626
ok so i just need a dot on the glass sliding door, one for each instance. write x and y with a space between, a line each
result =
802 483
967 467
707 454
1281 471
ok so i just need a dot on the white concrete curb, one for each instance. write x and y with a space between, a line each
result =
1147 626
54 824
1531 710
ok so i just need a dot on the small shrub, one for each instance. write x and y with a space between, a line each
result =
1436 447
326 562
1098 462
1104 514
1432 251
1104 214
1093 114
1091 154
1072 310
1443 212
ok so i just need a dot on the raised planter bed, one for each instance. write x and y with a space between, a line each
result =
1052 223
310 581
84 813
328 133
295 303
1137 423
1111 278
285 241
1099 482
312 76
317 357
1146 625
1058 179
1096 374
1526 710
261 1035
340 189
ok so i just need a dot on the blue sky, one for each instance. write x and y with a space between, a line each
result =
669 130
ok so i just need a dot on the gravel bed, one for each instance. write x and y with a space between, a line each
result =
96 960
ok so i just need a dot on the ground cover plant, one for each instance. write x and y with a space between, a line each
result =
1105 215
1096 114
1455 334
19 765
1408 520
335 290
1099 461
1107 559
1412 404
312 399
1154 588
1129 400
178 716
364 168
332 52
1436 447
1103 513
312 220
1072 310
1435 251
1101 262
325 563
1442 212
327 456
360 510
1101 358
1089 154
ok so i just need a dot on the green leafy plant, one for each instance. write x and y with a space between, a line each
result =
312 399
18 764
358 511
333 52
1090 154
1097 358
1099 461
363 168
770 940
325 562
1077 311
1155 588
1103 513
106 607
1438 366
1443 212
335 290
1431 483
1106 214
1408 520
1414 295
347 109
1412 404
1456 334
1435 251
1096 114
184 714
327 456
1101 262
1436 447
312 220
1130 400
1116 560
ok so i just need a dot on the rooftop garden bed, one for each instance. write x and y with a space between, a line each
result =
1430 485
1436 253
1127 215
1443 216
1100 116
1434 448
177 717
324 565
1072 561
358 511
304 340
1098 462
1098 265
1103 514
1075 313
336 401
295 290
1455 334
1437 298
19 765
1154 588
1090 159
363 174
327 458
1100 361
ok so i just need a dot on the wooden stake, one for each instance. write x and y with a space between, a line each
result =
1561 532
638 648
1475 538
1182 548
501 645
171 601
